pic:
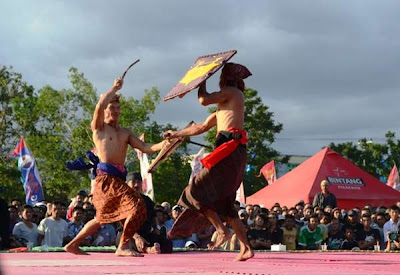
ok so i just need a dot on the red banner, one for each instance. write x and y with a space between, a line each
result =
269 172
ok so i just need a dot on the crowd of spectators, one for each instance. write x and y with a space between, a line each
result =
304 226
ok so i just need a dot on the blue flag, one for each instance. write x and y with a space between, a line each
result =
29 175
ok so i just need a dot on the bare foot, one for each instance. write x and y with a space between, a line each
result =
245 255
221 239
154 249
127 252
74 249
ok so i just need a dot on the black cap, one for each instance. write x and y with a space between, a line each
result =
133 176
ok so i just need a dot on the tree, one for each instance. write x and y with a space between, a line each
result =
375 158
261 129
56 126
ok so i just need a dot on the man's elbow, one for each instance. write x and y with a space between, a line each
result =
203 101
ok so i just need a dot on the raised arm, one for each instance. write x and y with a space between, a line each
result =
195 129
147 148
206 98
98 116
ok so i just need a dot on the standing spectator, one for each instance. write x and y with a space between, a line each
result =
349 243
367 237
324 198
275 232
391 225
26 231
76 201
337 214
63 210
335 235
76 225
290 234
310 235
53 231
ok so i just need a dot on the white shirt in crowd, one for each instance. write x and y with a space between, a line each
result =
390 226
22 231
54 231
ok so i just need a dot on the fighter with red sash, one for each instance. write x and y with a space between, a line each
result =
211 194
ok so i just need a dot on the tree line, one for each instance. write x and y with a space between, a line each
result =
56 126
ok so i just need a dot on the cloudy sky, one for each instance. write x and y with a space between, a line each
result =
329 70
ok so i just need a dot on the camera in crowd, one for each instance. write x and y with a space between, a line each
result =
394 235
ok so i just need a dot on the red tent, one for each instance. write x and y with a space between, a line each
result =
352 186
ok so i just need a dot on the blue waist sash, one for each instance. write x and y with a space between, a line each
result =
112 170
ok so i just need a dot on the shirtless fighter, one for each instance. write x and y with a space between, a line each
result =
113 199
212 193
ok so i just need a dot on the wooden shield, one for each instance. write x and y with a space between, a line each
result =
202 69
167 151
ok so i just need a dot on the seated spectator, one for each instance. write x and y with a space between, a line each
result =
335 235
380 222
324 220
290 233
236 204
230 244
328 209
63 211
14 218
148 239
26 231
307 213
105 236
4 225
258 236
53 231
250 212
76 225
77 201
310 235
17 203
205 236
337 214
349 243
243 216
353 221
367 237
167 207
275 232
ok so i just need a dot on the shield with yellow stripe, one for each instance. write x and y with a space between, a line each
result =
204 67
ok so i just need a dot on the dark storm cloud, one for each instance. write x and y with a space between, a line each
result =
327 69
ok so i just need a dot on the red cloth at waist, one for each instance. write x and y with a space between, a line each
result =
224 149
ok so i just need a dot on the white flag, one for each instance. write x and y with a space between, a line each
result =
240 194
147 184
196 163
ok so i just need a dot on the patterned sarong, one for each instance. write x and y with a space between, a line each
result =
115 201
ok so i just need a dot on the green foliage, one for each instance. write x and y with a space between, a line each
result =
261 129
374 158
56 126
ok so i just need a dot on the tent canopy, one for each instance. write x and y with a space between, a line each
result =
352 186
